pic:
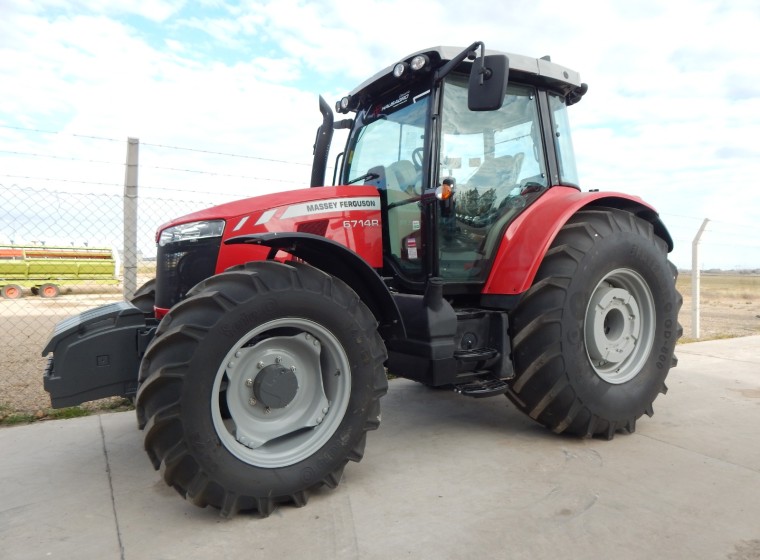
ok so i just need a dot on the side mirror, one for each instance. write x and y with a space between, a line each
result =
488 83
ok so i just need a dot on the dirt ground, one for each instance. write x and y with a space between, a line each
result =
730 306
26 325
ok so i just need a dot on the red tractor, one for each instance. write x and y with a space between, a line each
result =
457 250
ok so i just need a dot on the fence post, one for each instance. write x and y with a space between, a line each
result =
130 218
695 280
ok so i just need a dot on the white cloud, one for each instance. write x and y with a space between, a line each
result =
153 10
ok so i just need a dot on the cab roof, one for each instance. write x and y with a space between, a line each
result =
531 69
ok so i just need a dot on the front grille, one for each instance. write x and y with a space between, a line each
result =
181 265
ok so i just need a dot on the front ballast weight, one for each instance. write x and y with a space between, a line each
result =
96 354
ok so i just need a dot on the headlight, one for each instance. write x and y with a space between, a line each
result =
191 231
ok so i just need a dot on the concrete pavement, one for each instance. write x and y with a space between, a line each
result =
444 477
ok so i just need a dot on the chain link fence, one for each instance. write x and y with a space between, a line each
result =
60 236
72 241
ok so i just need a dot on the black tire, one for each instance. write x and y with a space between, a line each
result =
145 297
604 283
211 425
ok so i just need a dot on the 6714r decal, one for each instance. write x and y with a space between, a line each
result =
349 224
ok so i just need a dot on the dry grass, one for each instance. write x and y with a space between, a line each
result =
729 305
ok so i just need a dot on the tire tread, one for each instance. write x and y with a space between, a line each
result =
541 387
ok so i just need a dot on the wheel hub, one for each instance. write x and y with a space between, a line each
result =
612 325
282 389
275 386
619 326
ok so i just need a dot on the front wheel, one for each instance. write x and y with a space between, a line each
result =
261 386
593 338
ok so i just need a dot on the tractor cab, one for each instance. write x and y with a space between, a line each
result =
453 172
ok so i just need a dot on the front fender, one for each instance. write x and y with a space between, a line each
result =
339 261
529 236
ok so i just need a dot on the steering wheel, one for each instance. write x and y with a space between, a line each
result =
417 158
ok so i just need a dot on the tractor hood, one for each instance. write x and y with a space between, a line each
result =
349 215
241 215
233 212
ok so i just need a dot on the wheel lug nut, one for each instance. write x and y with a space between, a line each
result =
260 365
267 410
278 360
249 382
252 401
293 369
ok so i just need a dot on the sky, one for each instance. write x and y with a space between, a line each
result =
672 113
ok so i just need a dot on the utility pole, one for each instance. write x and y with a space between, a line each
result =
695 280
130 218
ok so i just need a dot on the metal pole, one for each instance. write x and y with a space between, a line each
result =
695 280
130 218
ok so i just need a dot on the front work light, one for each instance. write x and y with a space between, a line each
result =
419 62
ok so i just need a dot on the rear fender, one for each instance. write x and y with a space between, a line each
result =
336 260
528 238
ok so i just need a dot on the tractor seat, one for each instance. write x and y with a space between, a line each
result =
497 172
405 174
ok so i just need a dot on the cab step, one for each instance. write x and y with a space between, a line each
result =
483 388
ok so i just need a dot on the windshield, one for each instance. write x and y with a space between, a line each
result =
386 150
387 143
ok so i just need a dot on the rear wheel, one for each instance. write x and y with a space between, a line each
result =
261 386
593 338
49 291
11 291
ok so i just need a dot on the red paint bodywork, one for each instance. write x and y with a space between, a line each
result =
516 261
359 229
527 239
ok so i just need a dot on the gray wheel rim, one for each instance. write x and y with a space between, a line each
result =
277 435
619 326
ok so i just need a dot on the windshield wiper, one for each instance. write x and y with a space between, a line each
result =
365 177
